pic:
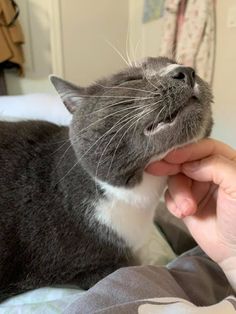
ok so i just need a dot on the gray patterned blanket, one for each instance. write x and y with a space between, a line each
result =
192 283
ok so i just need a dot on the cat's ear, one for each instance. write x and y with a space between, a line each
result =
70 94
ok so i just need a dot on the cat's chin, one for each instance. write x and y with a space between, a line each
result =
155 127
162 155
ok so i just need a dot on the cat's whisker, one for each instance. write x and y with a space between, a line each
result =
136 124
128 88
156 118
81 131
149 112
145 151
131 51
68 172
157 102
160 100
60 160
112 139
143 114
127 44
135 51
64 143
97 121
122 120
75 96
113 105
159 113
113 156
117 51
112 96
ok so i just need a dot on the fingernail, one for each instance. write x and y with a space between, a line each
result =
177 213
191 166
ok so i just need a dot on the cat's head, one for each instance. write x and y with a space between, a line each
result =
120 122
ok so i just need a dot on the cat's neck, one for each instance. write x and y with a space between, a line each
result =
130 211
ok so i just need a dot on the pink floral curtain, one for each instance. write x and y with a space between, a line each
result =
190 34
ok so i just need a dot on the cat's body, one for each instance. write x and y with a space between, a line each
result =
73 214
50 233
47 234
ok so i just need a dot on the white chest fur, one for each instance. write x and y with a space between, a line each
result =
130 212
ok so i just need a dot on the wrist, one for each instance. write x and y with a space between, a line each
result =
229 268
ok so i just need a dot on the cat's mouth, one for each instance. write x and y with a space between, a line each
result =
169 120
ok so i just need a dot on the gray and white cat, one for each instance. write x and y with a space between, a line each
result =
76 204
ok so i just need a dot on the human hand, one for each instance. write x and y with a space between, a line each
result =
202 191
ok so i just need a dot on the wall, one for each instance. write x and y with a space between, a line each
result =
144 39
89 29
224 81
224 87
78 48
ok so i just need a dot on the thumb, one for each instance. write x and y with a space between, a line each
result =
216 169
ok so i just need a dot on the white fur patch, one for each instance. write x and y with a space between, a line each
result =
130 212
156 250
196 89
168 69
163 71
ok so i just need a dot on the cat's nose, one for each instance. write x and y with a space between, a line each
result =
185 74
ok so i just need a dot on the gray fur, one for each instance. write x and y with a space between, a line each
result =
48 192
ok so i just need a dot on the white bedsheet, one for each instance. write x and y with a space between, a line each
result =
34 106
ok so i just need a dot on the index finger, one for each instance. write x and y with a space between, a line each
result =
199 150
162 168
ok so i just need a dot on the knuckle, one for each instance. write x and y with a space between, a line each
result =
234 158
217 159
217 163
